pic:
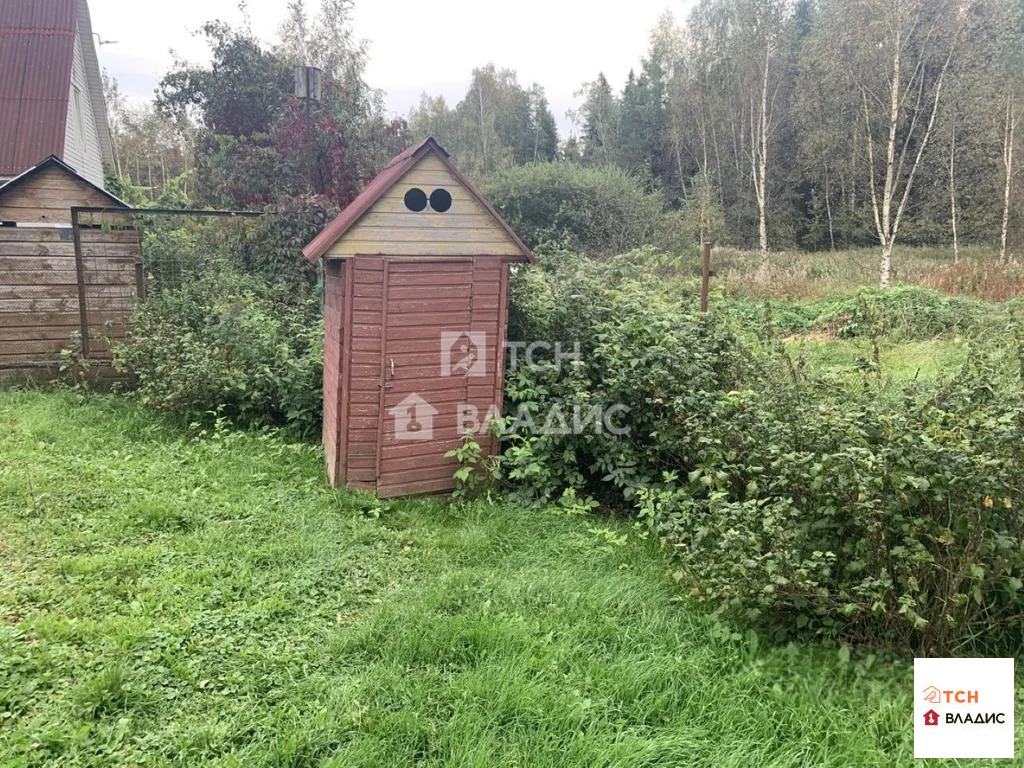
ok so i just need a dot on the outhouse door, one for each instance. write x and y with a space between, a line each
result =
443 343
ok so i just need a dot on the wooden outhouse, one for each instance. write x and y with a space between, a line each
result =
415 304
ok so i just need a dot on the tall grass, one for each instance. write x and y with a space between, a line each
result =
804 275
185 601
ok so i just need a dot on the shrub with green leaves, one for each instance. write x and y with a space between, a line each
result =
903 312
273 247
593 210
895 524
638 349
231 346
793 502
899 313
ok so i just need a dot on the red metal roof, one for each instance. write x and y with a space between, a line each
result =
387 178
37 45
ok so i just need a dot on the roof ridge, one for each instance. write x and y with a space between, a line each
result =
390 175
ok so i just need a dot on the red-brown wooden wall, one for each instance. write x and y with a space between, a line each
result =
383 323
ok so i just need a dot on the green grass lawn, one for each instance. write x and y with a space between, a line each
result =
206 600
900 361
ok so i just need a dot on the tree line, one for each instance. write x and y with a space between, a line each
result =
814 124
809 123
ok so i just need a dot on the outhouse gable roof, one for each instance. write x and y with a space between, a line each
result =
391 174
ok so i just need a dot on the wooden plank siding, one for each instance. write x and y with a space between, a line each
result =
40 292
47 197
415 276
389 228
383 320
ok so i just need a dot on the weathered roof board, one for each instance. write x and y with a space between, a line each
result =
377 222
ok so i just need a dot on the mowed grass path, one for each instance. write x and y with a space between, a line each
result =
174 600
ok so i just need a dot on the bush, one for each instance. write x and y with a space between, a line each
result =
174 248
273 248
637 349
802 505
900 312
592 210
228 345
897 526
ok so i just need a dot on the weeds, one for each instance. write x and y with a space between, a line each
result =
802 275
285 626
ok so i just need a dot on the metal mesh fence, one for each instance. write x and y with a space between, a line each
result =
110 281
75 287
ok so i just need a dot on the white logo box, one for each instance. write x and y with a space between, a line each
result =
973 699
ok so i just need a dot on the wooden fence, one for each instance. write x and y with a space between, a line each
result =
48 294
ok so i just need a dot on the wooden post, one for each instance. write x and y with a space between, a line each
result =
83 312
705 277
140 273
140 282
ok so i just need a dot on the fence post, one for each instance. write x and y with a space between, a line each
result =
140 272
705 277
83 312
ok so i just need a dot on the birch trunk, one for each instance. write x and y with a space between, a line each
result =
885 268
760 158
483 130
679 166
887 220
703 137
1008 135
828 210
952 197
886 265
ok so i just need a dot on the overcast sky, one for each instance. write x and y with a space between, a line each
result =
415 46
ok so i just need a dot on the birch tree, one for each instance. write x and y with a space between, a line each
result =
897 53
715 97
669 47
294 34
1010 69
600 116
1009 135
763 32
824 136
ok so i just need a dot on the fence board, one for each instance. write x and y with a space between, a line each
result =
117 276
34 234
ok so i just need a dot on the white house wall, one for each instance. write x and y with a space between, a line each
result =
82 152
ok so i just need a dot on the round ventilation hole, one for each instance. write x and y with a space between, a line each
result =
416 199
440 200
